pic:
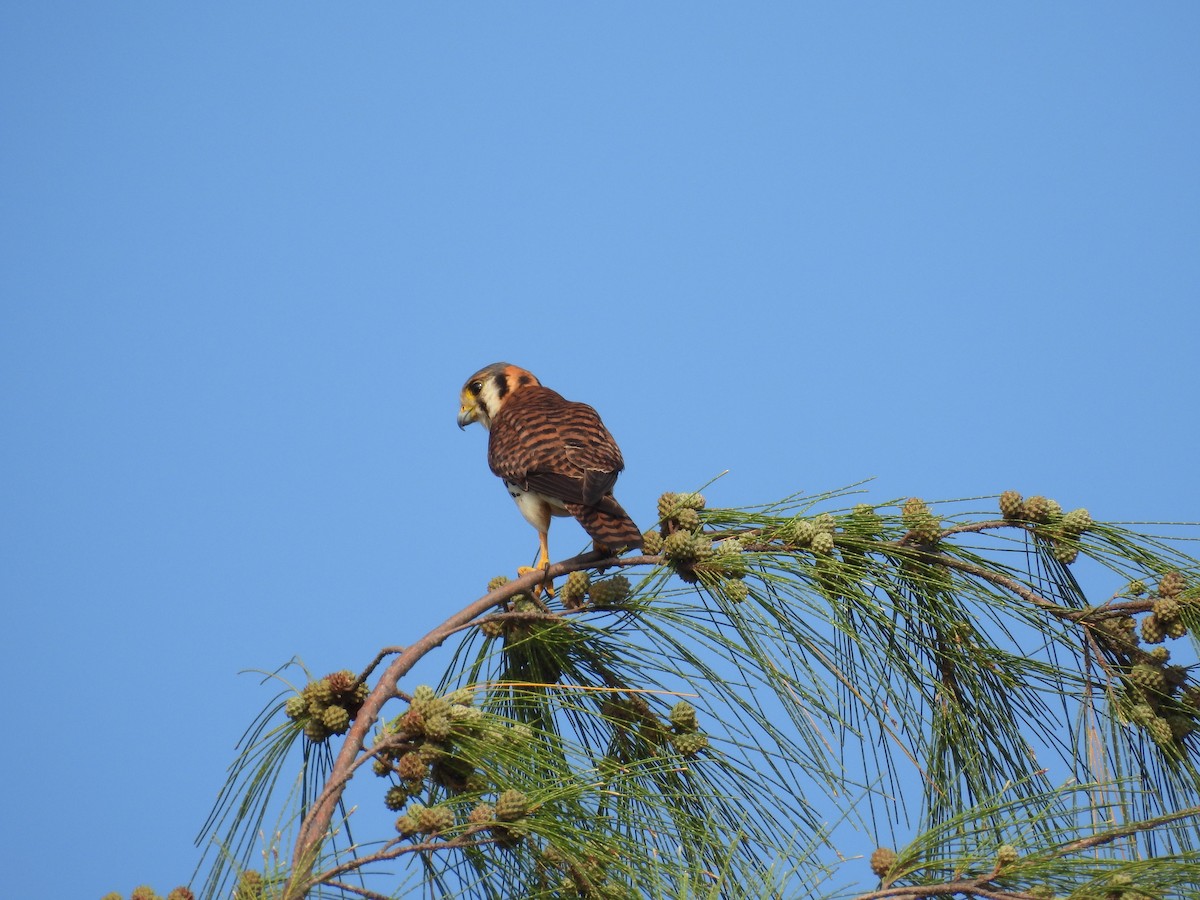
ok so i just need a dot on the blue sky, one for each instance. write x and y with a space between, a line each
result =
250 252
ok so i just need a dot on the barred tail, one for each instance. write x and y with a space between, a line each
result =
608 524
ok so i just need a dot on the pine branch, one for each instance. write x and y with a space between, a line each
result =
315 826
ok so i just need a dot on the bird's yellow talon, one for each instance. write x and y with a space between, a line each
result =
537 588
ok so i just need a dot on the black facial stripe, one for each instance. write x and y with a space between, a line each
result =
501 385
525 379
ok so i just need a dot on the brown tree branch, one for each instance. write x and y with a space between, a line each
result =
975 887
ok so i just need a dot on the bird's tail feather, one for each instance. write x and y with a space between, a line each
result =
609 525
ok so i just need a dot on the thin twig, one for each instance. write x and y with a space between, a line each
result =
361 891
1114 834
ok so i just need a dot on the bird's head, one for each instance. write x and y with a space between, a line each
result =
485 392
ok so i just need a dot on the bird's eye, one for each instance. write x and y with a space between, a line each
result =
475 387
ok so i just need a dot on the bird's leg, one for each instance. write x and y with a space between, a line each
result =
543 563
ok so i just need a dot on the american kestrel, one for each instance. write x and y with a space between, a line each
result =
555 456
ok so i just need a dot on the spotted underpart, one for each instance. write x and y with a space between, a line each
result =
555 456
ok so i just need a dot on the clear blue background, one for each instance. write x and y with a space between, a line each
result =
250 252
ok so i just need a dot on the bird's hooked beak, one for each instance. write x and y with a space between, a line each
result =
467 415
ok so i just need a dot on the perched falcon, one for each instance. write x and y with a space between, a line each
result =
555 456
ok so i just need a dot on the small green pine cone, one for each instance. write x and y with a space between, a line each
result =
574 589
439 727
436 819
395 798
1006 855
800 532
1152 630
679 547
181 893
736 591
667 504
492 627
320 691
464 696
482 814
690 501
144 892
1181 726
1064 553
882 861
498 582
296 707
1171 585
249 886
1136 588
689 744
917 517
471 715
610 591
438 706
431 751
912 510
1076 522
412 768
512 805
652 542
1167 609
1149 678
408 824
336 720
688 519
730 546
822 543
1159 730
1036 509
316 707
1175 629
1160 656
866 522
1054 512
1142 714
1010 505
423 693
525 603
683 717
315 730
